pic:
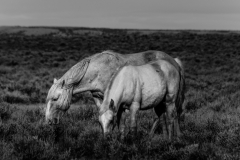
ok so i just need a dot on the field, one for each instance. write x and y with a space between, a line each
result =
31 57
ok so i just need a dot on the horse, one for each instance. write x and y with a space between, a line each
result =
157 85
92 74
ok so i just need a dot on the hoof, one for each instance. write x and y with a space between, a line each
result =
107 136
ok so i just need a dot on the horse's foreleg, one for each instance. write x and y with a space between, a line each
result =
98 101
122 124
154 126
163 121
133 111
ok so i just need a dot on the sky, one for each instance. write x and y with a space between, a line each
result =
134 14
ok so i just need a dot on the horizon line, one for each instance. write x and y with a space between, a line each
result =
112 28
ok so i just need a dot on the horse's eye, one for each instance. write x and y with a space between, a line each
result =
55 98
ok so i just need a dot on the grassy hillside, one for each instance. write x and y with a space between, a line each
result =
31 57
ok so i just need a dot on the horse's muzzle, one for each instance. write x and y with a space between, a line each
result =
53 121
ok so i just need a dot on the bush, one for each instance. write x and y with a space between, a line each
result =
6 111
15 97
7 151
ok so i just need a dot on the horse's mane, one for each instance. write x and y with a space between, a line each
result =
75 73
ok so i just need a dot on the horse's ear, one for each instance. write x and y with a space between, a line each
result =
63 83
111 106
54 80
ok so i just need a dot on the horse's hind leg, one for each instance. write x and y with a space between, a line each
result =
177 131
164 125
159 110
172 120
177 121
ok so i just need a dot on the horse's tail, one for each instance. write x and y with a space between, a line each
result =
181 90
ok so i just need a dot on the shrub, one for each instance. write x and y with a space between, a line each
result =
5 70
6 111
15 97
7 151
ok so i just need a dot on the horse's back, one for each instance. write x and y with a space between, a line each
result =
145 57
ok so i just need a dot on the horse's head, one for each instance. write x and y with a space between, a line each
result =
107 117
58 101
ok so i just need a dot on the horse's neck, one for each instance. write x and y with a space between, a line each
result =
115 91
116 97
77 90
84 88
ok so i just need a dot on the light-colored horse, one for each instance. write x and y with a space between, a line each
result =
92 74
155 85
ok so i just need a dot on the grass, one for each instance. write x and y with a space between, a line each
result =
29 62
207 134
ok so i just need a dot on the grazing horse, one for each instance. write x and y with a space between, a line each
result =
155 85
92 74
